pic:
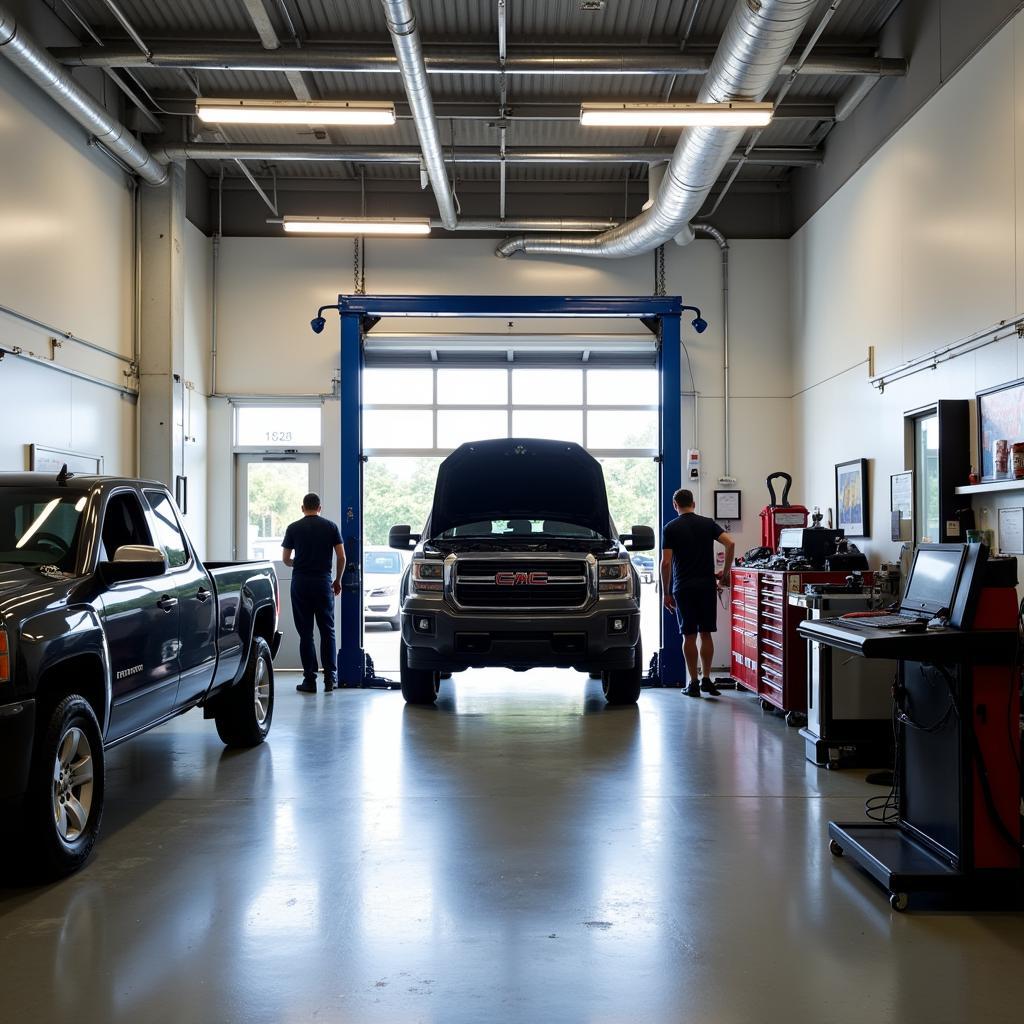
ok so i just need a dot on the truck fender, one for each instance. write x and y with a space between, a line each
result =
58 635
257 593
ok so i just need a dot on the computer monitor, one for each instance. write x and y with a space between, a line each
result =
932 583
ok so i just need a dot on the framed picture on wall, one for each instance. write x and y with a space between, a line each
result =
852 512
43 459
901 505
1000 418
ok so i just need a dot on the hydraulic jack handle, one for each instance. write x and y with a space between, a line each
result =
785 489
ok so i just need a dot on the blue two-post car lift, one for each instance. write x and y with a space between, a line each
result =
360 313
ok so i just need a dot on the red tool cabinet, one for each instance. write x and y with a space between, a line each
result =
768 657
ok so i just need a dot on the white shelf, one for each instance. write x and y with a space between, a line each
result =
992 487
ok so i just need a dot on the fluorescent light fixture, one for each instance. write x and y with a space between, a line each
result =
357 225
676 115
308 112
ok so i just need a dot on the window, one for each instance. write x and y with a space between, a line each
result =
398 428
123 524
389 562
168 533
456 426
277 426
623 430
40 527
556 424
472 387
398 387
622 387
547 387
926 478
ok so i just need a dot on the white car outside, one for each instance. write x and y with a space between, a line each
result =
382 576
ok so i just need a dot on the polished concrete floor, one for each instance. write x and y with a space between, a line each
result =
520 853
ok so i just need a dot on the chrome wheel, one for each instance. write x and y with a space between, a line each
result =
72 784
261 692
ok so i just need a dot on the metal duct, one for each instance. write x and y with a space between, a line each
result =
409 51
787 156
754 47
55 80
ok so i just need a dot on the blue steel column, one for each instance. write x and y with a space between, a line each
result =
351 661
670 658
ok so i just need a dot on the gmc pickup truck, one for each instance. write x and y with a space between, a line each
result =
109 626
519 566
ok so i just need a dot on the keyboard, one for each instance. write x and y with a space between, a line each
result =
877 622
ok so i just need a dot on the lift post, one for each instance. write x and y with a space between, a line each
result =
359 314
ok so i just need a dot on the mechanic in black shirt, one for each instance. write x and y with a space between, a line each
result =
691 586
308 547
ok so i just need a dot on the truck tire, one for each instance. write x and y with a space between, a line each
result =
622 685
64 800
244 712
419 685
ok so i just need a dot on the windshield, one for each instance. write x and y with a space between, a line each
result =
389 562
536 529
40 527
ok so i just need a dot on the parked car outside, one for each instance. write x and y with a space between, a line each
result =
644 565
382 577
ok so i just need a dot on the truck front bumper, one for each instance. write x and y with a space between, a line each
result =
442 638
17 732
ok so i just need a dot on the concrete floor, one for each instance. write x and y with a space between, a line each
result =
520 853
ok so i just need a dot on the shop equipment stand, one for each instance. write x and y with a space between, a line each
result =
957 826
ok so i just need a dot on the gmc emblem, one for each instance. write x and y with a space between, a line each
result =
518 579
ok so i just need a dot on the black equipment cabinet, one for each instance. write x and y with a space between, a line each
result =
954 460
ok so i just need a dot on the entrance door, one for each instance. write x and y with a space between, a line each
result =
270 490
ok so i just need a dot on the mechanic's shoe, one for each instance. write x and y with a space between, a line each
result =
306 687
693 690
329 684
708 686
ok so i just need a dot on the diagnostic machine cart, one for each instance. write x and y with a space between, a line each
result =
956 822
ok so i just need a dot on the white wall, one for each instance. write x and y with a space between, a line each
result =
65 259
269 289
921 247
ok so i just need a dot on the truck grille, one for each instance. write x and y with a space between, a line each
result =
521 583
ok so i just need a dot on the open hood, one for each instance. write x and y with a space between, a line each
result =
520 478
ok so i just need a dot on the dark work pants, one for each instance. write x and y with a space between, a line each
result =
313 601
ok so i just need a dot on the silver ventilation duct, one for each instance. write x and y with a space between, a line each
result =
754 47
409 51
55 80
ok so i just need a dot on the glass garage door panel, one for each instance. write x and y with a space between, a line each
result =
555 424
273 494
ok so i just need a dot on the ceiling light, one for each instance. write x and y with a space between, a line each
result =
309 112
357 225
676 115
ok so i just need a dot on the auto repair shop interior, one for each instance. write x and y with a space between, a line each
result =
495 278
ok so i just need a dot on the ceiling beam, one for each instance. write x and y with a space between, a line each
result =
449 60
780 156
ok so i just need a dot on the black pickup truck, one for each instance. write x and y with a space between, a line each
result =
520 566
110 625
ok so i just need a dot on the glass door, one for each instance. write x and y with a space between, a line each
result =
270 489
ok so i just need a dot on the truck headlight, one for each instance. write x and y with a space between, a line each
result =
5 657
613 577
427 576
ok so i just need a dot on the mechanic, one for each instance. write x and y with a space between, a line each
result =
691 586
307 548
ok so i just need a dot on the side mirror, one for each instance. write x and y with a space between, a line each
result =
132 562
641 539
402 539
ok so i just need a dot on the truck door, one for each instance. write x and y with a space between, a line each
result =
140 618
197 604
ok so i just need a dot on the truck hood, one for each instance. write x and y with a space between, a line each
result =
520 478
25 591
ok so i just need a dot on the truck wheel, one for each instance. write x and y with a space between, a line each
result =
245 711
64 800
622 685
419 685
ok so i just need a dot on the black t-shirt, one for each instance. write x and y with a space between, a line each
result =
691 539
312 538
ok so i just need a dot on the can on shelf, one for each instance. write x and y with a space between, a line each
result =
1000 456
1018 461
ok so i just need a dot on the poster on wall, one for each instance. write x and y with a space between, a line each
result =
901 505
852 513
42 459
1011 531
1000 418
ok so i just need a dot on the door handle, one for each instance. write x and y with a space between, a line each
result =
203 594
167 603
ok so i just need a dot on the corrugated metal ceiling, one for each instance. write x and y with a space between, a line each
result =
556 22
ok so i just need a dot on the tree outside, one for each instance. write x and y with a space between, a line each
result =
276 490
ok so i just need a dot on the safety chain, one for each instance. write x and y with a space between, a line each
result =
659 270
359 243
